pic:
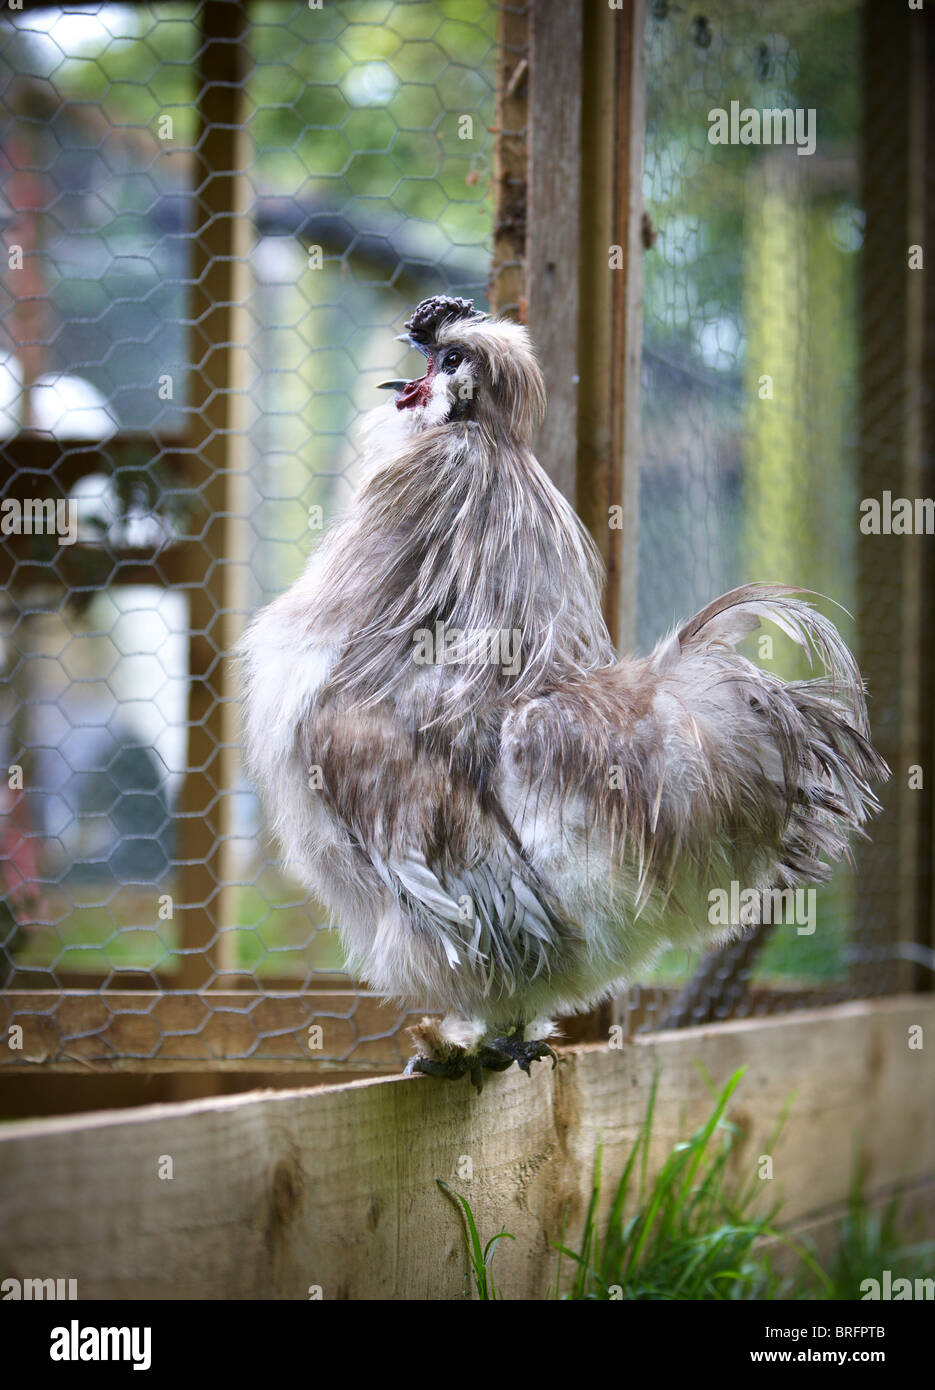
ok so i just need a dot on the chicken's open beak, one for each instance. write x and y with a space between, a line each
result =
392 385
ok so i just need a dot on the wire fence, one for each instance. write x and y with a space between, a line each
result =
362 153
363 160
754 372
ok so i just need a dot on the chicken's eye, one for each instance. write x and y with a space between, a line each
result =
451 360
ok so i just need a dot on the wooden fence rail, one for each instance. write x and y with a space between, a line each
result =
274 1193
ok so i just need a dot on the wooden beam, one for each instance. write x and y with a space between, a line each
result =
553 242
610 298
506 289
925 481
127 1029
217 351
151 1031
31 1095
584 269
894 905
610 326
273 1192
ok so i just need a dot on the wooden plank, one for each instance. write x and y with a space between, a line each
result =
552 254
217 350
611 299
32 1096
925 481
153 1031
137 1030
506 288
272 1193
894 646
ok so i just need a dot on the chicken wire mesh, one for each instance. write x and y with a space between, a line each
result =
363 137
365 146
751 407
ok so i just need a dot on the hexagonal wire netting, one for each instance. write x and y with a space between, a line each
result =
761 402
367 150
364 133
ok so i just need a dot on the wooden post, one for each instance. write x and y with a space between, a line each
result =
895 571
610 323
216 355
584 279
924 232
584 269
553 246
507 286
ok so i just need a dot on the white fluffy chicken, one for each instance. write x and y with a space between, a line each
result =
507 821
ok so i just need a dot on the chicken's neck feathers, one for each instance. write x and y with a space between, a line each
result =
463 529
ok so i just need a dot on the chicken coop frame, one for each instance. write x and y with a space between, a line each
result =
569 132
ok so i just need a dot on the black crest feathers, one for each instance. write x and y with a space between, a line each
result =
429 316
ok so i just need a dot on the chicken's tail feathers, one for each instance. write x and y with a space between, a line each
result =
723 624
818 727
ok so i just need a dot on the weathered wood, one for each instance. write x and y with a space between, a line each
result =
145 1031
271 1193
217 342
893 572
554 210
72 1031
32 1095
586 126
924 227
610 290
506 289
611 299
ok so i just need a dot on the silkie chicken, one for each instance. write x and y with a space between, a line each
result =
507 822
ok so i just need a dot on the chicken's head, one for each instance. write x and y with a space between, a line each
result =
478 369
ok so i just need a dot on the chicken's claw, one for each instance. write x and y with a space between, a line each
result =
449 1062
452 1068
499 1053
